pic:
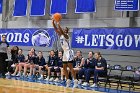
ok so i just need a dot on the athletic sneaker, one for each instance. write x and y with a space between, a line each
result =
80 82
29 76
13 74
51 79
75 84
7 74
13 65
19 74
94 85
68 83
41 77
47 79
56 80
85 84
24 76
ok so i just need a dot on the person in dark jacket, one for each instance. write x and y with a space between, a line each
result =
4 45
87 69
20 63
13 62
52 60
59 67
40 63
14 53
100 68
29 63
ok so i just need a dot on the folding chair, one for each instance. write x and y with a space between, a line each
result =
136 81
115 75
127 77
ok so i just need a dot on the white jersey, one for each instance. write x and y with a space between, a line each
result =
68 53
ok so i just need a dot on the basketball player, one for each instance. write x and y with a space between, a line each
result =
68 53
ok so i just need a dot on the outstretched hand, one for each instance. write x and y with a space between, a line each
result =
58 23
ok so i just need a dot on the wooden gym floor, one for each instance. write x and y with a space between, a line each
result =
17 86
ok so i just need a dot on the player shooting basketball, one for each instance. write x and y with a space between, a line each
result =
68 53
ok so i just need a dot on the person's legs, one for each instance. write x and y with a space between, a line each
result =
76 71
70 65
80 74
88 74
65 70
25 68
20 66
1 61
2 67
52 70
16 70
34 69
10 69
49 72
40 70
62 74
2 64
31 69
98 73
57 70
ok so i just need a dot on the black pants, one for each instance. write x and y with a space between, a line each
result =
3 63
10 69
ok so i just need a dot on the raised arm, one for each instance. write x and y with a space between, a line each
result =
82 62
56 29
61 31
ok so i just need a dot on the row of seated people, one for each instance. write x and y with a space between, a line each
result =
94 65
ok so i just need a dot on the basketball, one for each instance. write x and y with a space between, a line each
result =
57 17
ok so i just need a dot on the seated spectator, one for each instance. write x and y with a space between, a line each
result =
40 63
78 61
14 53
33 52
100 68
30 60
58 68
88 69
51 64
21 61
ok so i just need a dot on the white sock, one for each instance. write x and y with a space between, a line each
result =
62 78
48 76
80 80
41 75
